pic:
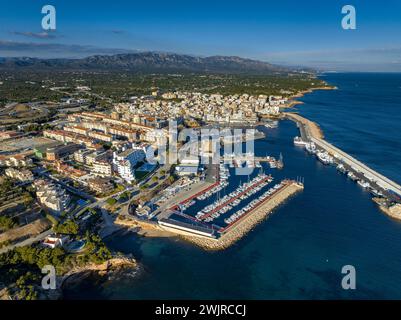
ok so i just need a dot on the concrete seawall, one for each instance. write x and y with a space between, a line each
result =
310 132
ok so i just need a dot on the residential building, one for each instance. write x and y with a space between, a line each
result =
56 153
125 161
54 241
52 196
21 175
102 168
101 185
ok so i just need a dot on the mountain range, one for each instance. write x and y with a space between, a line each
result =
148 62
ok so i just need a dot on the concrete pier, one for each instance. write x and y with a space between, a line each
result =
310 131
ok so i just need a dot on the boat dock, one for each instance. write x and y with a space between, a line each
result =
220 206
310 132
246 223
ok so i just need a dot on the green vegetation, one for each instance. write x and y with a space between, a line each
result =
24 86
6 185
68 227
7 223
4 244
125 196
37 127
111 201
21 267
52 219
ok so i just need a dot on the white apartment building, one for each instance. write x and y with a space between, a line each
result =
80 155
102 168
125 161
52 196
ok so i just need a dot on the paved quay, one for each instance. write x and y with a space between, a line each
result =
310 131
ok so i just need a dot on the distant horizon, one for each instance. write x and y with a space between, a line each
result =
318 70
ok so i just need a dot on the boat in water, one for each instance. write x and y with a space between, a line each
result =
310 147
364 184
324 157
280 162
299 142
341 168
352 176
271 124
376 192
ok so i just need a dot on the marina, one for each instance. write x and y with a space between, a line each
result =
255 214
367 178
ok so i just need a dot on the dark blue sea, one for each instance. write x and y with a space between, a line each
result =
299 251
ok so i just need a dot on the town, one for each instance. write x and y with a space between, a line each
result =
70 167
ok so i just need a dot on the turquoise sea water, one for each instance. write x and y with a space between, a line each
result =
298 252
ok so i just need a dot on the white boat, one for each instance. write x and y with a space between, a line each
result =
271 124
351 176
299 142
376 193
310 147
324 157
364 184
341 168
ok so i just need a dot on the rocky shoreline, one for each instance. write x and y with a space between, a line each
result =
293 103
77 274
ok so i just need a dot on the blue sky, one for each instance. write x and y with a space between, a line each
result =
282 32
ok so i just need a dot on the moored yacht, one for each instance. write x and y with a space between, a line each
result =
324 157
299 142
310 147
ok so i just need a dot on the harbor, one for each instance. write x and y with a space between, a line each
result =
380 186
241 227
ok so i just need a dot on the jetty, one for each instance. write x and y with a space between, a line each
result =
310 132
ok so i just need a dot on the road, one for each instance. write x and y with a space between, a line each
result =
28 242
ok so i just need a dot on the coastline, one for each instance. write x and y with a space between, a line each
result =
392 211
76 275
292 102
79 273
310 130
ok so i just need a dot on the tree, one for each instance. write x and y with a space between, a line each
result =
111 201
7 223
68 227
